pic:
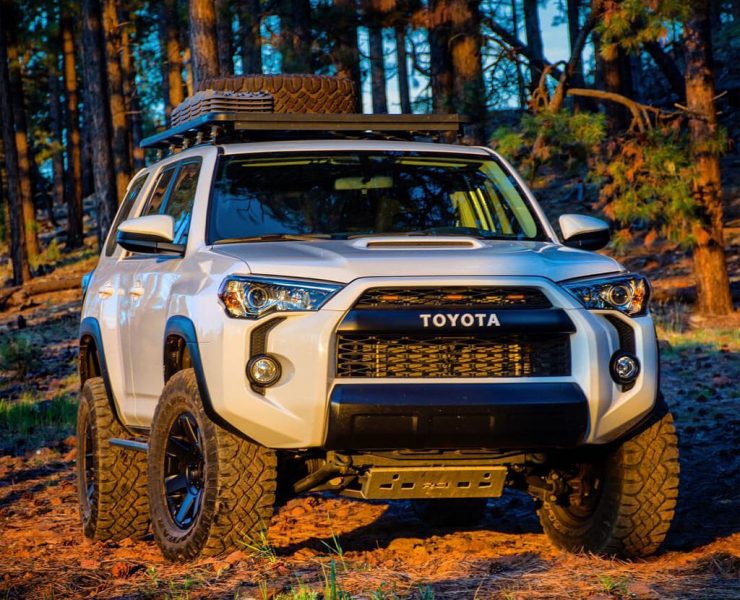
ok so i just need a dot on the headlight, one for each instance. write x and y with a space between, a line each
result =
626 293
254 297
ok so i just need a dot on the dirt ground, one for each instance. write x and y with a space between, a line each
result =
324 547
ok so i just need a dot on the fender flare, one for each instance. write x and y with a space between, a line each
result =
184 327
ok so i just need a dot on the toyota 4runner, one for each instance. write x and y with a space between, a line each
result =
305 303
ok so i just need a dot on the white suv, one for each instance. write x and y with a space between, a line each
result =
377 318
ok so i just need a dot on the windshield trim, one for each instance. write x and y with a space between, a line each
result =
542 234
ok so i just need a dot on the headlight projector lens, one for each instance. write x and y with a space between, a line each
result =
624 367
263 370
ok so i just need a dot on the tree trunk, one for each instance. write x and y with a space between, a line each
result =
224 35
710 266
203 50
347 53
377 68
534 41
73 189
574 26
403 69
470 94
171 60
18 250
668 67
295 33
98 112
521 90
119 123
21 136
440 59
57 128
250 22
130 92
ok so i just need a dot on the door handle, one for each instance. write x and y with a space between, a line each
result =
137 291
105 291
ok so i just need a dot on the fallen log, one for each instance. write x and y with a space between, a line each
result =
17 295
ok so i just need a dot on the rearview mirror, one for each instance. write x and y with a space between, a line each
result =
153 233
379 182
586 233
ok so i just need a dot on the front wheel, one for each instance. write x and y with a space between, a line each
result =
210 491
632 499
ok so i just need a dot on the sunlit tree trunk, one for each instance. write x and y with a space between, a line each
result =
250 20
203 49
21 141
224 35
710 266
403 70
169 46
73 189
465 47
119 122
97 116
18 249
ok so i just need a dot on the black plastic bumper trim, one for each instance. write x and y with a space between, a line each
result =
501 416
506 320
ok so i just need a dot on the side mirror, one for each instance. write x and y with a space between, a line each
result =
586 233
150 234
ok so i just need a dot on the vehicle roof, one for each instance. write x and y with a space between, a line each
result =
343 145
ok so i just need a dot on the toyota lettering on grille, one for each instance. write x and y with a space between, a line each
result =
460 320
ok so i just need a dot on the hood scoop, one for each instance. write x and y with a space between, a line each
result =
415 243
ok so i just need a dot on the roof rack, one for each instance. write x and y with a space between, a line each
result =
220 127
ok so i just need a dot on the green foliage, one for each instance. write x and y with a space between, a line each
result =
646 180
28 418
19 355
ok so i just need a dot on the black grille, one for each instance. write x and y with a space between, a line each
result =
452 297
398 355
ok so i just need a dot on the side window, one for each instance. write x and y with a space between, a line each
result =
180 201
124 211
163 183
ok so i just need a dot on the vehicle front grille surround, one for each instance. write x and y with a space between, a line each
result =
490 352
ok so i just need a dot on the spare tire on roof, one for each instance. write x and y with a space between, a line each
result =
293 93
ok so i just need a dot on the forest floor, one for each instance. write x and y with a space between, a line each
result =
368 550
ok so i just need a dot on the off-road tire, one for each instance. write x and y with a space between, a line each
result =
239 481
119 507
636 503
451 512
293 93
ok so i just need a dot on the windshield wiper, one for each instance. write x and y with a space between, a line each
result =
274 237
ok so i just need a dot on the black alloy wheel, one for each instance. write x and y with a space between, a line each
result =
184 471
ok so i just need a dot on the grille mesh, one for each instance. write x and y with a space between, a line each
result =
401 356
452 297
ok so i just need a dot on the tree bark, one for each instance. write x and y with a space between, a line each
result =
534 41
203 50
403 70
130 92
440 59
57 128
21 135
465 47
73 189
668 67
119 122
98 113
169 47
574 26
250 22
346 52
710 266
225 38
521 89
18 250
377 67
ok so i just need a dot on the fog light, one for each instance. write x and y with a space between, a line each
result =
263 370
624 367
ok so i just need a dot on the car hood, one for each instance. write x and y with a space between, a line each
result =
346 260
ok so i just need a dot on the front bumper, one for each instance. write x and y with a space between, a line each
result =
297 411
453 416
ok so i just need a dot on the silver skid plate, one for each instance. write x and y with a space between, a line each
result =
433 482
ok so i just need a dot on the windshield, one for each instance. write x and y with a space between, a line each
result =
352 194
